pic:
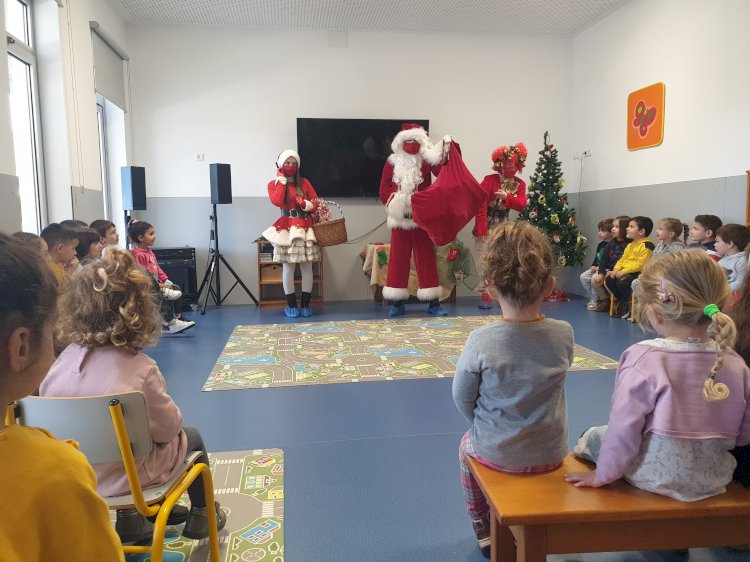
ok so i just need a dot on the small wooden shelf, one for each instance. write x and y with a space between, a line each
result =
270 285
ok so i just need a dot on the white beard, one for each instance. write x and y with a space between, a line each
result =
407 171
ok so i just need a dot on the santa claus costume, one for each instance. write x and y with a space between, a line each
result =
292 235
504 191
407 171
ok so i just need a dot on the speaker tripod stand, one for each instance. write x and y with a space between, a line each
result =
213 271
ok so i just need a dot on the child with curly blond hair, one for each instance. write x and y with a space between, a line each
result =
110 314
510 378
681 400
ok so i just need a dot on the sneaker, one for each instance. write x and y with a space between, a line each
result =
305 311
131 526
602 305
177 326
170 294
196 526
397 310
592 304
291 312
177 516
625 315
437 310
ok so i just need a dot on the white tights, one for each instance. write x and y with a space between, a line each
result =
288 277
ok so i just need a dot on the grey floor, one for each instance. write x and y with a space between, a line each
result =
371 468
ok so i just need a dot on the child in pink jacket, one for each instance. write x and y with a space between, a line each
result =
109 315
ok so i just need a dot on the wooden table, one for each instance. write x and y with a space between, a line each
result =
533 515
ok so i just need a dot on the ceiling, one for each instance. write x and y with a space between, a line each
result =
518 17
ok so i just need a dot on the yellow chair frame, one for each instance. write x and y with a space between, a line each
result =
60 416
633 311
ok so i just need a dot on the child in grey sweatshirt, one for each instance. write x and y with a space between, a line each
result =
510 378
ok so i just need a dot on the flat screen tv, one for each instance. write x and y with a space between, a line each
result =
345 157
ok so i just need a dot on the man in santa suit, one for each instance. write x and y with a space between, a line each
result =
407 171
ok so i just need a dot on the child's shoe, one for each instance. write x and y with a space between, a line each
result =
177 516
305 311
437 310
176 326
170 294
131 526
291 312
196 526
626 314
592 304
397 310
602 305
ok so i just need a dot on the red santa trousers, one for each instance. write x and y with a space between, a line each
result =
403 242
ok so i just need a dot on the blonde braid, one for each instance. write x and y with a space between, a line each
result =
725 336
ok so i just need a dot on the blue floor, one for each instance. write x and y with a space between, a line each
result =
371 468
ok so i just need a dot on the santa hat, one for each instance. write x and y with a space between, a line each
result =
411 132
287 154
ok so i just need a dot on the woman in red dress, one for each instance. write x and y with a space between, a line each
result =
292 235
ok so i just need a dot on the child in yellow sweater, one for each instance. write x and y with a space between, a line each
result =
40 476
630 265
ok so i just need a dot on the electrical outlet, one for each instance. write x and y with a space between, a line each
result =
199 157
586 153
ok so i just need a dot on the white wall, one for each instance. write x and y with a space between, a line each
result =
699 50
234 94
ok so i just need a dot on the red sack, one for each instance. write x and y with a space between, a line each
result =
452 200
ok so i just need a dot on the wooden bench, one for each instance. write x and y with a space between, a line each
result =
533 515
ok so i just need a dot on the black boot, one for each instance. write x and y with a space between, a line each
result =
305 310
291 306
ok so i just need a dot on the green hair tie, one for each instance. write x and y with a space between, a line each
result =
710 310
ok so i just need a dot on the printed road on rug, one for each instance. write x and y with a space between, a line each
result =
268 355
249 485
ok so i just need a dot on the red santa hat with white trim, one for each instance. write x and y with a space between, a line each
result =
287 154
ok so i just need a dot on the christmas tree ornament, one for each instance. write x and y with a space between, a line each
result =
542 199
554 219
561 261
556 238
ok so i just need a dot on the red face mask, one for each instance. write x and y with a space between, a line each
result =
289 170
411 147
510 169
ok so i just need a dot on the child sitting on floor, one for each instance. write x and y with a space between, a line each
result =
510 378
110 315
51 510
681 400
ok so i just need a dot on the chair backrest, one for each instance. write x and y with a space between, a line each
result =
88 421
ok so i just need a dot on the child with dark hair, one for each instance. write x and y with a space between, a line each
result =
40 475
61 243
703 234
510 378
680 403
142 235
107 231
604 231
74 224
110 315
33 241
612 253
89 246
630 265
731 241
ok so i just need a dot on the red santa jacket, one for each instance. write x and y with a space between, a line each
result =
398 201
491 185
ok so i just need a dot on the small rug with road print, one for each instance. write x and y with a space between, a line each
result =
269 355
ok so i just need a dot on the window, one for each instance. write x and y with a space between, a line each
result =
103 155
24 109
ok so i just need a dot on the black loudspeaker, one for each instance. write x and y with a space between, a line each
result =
221 184
133 188
179 265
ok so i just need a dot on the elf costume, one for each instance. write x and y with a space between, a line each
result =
505 191
407 171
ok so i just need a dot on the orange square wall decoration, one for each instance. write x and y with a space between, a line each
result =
646 117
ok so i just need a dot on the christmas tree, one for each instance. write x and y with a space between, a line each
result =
548 209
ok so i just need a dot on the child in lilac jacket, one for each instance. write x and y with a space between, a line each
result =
680 402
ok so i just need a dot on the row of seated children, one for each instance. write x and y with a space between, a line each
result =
619 273
108 314
70 244
680 404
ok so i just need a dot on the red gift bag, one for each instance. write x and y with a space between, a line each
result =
452 200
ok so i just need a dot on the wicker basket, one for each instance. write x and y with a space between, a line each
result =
331 233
